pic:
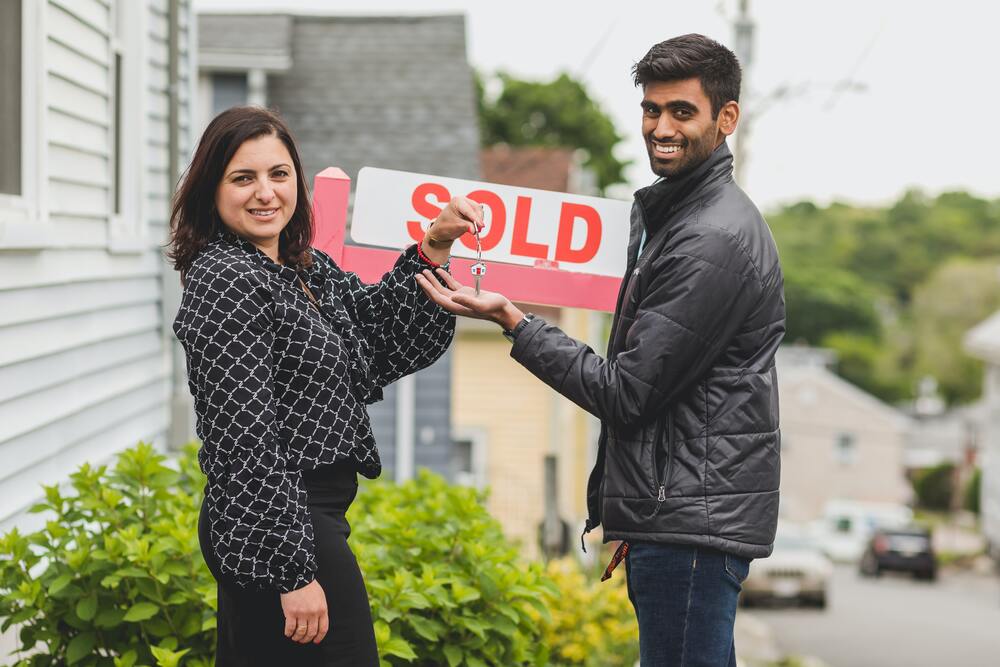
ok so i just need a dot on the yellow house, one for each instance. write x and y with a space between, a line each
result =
505 422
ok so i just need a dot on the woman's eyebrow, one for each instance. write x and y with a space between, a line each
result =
247 170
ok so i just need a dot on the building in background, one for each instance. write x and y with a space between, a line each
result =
508 424
983 342
837 441
390 92
95 117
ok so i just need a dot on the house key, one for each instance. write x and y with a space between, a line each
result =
479 268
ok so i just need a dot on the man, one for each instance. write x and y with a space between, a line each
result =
688 460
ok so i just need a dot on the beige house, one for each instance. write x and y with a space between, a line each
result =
506 423
838 442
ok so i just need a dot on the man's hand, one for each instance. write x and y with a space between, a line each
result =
461 215
306 618
461 300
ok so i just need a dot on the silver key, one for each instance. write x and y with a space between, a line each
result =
479 268
478 271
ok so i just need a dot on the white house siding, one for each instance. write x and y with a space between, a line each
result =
85 357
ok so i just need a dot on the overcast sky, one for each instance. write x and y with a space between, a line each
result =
923 118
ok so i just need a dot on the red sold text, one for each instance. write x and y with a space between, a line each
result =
429 199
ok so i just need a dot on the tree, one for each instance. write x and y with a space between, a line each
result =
555 113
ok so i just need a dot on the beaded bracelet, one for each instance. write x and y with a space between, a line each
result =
425 258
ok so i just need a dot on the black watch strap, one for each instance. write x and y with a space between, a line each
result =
511 334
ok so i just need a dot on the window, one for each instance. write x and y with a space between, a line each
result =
846 449
467 458
10 97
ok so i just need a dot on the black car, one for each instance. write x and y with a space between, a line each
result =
901 550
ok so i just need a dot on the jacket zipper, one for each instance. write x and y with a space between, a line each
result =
661 480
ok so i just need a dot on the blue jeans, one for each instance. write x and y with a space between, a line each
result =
685 602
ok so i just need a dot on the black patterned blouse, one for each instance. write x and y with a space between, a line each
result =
281 387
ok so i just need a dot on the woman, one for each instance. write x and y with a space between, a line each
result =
284 350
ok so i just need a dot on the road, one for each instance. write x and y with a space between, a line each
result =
894 621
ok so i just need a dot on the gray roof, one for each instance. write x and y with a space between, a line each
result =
234 41
383 91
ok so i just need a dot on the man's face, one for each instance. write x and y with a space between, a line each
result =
678 127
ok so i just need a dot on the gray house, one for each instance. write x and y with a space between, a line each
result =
391 92
95 118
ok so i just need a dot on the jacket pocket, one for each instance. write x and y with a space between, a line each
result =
663 455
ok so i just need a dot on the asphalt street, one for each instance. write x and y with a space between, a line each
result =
894 621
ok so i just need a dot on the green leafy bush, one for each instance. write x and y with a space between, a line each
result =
115 578
973 492
446 587
593 624
935 487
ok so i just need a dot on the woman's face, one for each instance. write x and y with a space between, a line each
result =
258 191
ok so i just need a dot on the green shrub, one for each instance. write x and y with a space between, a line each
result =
935 487
973 492
593 624
446 587
115 578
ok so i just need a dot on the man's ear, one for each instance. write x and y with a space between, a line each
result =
729 117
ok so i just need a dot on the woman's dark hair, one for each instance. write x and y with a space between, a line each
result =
693 56
194 220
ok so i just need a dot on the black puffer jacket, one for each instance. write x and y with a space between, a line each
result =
688 396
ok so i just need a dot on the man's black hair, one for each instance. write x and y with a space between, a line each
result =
693 56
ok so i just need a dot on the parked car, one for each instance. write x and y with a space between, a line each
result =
847 526
797 572
900 549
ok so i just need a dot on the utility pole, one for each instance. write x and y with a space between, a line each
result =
743 36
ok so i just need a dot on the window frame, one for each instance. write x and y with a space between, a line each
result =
479 438
24 217
127 205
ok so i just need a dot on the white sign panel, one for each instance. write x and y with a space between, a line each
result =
523 225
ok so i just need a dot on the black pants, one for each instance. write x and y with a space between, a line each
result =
251 624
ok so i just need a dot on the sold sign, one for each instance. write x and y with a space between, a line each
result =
522 225
542 247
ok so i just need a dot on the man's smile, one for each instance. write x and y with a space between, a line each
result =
664 150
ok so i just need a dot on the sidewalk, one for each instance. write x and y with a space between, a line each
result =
756 645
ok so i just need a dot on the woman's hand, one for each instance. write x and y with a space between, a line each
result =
461 300
461 215
306 618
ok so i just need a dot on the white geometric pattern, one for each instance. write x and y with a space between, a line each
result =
281 387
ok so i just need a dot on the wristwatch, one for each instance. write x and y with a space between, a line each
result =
511 334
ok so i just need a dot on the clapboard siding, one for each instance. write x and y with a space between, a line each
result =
84 437
53 301
70 130
49 267
53 369
68 64
87 13
85 357
69 98
33 411
35 339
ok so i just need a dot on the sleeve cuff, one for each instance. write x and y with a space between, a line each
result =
524 339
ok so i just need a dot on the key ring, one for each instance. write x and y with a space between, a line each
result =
479 268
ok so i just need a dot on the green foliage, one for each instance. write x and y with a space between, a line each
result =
973 492
116 577
893 290
820 301
446 588
593 624
554 113
935 487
